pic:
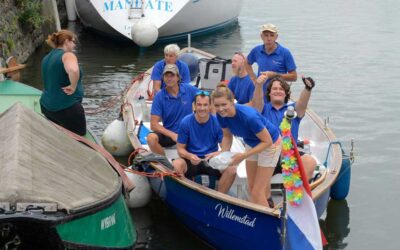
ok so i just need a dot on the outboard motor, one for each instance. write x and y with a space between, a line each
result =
193 62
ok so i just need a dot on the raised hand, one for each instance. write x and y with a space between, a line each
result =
308 82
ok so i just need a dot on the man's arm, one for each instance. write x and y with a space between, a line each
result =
250 71
291 76
183 153
156 86
157 127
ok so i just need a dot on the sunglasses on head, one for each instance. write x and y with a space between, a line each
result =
203 92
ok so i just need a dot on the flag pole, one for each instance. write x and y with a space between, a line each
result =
289 115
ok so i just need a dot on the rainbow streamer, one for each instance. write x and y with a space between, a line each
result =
290 169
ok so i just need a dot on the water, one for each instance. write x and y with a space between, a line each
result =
351 49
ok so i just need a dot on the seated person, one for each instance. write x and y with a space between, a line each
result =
198 138
240 84
170 105
171 52
278 95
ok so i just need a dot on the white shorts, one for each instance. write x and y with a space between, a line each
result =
268 157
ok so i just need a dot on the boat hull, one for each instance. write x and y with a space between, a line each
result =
174 20
221 224
103 224
105 227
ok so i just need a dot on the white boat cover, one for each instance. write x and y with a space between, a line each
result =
41 164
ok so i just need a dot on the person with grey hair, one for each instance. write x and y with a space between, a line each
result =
273 59
171 53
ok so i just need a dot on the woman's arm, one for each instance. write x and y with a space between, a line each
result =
72 68
265 142
226 143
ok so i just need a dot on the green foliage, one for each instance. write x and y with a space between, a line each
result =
10 44
30 13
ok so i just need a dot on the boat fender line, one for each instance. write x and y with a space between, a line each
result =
127 183
340 189
154 174
115 138
114 100
140 159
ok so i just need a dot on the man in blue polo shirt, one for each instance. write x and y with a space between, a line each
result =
278 95
198 138
240 84
171 53
272 58
170 105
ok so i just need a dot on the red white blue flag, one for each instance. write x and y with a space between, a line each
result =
302 226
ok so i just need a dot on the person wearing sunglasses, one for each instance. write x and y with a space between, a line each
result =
271 57
61 100
262 142
278 96
240 84
198 138
170 105
171 52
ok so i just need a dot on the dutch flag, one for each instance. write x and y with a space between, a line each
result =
303 231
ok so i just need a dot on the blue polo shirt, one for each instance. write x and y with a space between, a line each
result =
173 109
246 123
157 73
200 138
276 116
242 88
281 61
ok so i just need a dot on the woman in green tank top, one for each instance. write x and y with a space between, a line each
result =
61 101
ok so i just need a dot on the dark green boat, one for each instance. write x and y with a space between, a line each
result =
55 192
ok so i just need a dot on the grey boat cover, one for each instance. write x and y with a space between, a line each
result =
41 164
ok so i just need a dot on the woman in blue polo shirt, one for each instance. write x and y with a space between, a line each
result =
262 142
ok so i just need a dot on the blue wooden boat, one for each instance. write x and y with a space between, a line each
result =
229 221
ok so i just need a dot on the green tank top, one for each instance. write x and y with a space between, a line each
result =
55 77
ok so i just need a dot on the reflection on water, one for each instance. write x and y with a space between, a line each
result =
158 229
336 225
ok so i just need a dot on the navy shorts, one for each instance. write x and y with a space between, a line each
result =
164 141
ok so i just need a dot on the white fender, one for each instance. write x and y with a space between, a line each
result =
144 32
141 194
115 139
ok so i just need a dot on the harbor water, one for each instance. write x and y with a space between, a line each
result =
350 48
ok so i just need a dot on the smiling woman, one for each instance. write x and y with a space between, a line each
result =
262 139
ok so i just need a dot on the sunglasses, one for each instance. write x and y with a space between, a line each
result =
203 93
